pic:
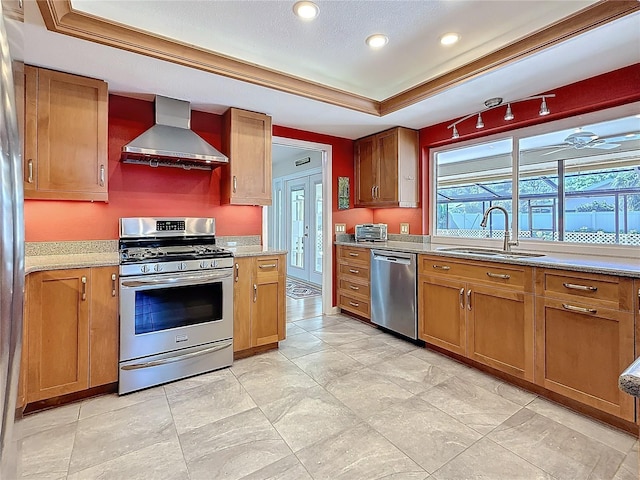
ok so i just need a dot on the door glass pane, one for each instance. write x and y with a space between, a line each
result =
165 308
318 224
297 227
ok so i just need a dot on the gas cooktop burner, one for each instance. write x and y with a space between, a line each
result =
170 253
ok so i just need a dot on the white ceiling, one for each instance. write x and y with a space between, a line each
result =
331 51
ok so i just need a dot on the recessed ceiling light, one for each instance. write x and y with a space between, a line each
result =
449 38
306 10
377 41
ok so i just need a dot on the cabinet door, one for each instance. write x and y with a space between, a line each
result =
13 9
104 327
581 350
441 318
242 303
387 178
267 310
247 179
71 160
58 333
500 329
366 168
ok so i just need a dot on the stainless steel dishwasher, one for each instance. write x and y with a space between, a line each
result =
393 292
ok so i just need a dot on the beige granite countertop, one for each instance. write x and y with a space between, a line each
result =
38 263
627 267
254 251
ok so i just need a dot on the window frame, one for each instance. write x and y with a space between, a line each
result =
516 135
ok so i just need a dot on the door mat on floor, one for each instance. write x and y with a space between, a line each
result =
296 289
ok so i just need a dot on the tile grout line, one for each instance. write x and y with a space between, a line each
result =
173 421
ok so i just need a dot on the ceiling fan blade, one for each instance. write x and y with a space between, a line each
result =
605 146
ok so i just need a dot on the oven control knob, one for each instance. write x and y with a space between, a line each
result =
145 268
157 268
182 266
214 263
204 264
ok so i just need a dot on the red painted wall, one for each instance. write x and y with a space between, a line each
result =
611 89
139 190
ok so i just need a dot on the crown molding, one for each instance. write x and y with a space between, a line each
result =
60 17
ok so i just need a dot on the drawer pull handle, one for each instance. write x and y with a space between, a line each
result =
469 299
268 265
584 288
84 287
113 284
442 267
504 276
573 308
353 287
351 254
354 304
351 270
462 298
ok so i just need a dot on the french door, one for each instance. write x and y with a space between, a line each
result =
303 213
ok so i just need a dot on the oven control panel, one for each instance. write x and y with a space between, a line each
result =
172 267
170 225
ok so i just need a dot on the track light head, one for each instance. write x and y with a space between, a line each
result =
455 133
508 114
479 123
544 110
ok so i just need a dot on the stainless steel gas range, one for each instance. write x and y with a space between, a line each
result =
176 301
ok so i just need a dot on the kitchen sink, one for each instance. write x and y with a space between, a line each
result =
491 252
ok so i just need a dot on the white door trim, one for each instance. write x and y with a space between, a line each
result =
327 216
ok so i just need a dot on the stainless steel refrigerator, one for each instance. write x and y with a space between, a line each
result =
11 259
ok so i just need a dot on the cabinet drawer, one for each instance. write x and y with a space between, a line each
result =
609 290
355 289
358 271
267 268
354 254
353 304
485 272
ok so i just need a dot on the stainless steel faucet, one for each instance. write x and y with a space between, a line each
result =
506 246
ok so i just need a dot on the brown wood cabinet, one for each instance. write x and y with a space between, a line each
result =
480 310
72 331
353 267
247 143
259 302
585 337
65 153
13 9
386 169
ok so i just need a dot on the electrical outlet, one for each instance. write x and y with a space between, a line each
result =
341 227
404 229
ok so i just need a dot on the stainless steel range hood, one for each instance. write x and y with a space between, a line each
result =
171 142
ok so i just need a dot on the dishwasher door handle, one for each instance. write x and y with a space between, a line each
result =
392 259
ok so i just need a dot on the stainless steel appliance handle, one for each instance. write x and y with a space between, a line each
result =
186 356
584 288
392 259
175 281
573 308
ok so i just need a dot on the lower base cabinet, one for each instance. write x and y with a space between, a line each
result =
259 302
71 331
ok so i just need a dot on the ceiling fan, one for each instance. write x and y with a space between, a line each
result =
582 139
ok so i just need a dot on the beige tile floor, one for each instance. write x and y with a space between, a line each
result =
338 400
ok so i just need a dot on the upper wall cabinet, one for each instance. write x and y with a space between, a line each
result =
13 9
386 169
65 151
247 143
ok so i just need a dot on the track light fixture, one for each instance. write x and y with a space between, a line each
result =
495 103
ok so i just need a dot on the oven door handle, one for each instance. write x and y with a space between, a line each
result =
175 281
179 358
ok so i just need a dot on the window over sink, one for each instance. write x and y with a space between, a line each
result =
575 180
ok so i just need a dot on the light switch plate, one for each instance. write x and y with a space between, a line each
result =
341 227
404 229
